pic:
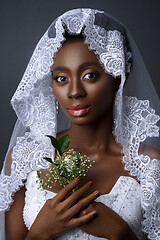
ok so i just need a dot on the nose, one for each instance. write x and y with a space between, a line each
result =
76 89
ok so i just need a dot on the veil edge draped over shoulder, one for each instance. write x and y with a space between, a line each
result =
136 109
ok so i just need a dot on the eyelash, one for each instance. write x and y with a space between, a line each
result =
94 75
56 79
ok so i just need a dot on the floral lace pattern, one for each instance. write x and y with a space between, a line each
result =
27 156
113 55
34 101
139 122
34 104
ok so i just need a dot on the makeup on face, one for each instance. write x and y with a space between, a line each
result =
79 110
85 92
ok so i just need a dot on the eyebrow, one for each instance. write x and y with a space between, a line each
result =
83 65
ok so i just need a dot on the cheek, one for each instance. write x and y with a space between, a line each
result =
61 96
59 93
103 95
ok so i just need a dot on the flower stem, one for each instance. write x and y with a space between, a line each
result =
59 155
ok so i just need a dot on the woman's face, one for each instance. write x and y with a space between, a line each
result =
85 92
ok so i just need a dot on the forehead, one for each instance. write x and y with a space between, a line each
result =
74 52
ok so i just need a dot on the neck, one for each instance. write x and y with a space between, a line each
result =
94 137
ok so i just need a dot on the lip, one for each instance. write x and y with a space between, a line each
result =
79 110
78 107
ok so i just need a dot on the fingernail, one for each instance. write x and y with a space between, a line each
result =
91 183
79 178
97 193
94 213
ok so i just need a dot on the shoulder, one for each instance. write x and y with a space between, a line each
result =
16 229
152 152
8 162
61 134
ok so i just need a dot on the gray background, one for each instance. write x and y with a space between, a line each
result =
23 22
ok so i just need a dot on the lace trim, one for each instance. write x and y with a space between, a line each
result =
111 54
27 156
34 104
139 122
34 101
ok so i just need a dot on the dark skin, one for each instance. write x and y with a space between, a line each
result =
80 79
78 87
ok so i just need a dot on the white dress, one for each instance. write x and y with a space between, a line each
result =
124 199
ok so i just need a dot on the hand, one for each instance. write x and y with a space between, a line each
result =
107 223
59 214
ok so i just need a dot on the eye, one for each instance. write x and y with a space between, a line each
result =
60 79
90 75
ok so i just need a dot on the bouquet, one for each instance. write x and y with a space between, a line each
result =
67 165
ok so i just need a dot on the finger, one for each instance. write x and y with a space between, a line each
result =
63 193
75 222
83 203
86 210
73 198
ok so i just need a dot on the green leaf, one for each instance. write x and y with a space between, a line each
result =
48 159
64 143
55 143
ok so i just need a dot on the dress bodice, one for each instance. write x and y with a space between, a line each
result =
124 199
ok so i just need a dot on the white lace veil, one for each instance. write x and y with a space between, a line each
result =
136 109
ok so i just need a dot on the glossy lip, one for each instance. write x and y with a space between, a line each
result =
79 110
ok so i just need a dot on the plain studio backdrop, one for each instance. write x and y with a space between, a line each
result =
22 23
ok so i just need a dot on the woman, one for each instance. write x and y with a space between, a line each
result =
89 63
